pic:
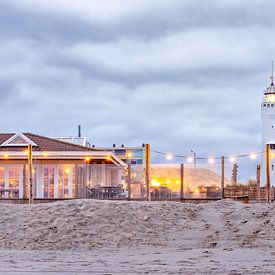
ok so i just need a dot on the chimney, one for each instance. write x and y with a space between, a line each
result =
79 130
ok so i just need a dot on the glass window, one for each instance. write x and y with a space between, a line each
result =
268 105
63 182
73 182
272 105
48 180
120 152
14 179
2 182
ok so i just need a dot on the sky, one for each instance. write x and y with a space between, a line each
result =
180 75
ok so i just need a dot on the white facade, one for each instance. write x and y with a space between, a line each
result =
268 130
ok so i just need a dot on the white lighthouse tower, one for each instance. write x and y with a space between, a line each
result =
268 128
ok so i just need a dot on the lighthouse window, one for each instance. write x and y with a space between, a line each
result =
272 105
272 167
264 105
268 105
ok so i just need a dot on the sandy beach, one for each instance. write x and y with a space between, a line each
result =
118 237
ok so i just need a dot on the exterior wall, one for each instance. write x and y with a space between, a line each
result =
55 179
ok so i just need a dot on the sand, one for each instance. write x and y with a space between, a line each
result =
96 237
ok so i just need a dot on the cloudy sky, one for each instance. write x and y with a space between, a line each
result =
178 74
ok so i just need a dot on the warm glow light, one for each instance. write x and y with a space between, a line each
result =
196 191
270 98
129 155
253 156
190 159
168 181
211 160
169 156
67 170
232 159
6 156
108 157
45 154
154 183
26 152
87 159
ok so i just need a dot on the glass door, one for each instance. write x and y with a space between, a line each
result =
48 182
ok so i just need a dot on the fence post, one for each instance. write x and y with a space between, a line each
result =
258 183
268 189
222 177
181 182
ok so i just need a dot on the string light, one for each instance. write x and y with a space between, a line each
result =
232 159
253 156
169 156
190 159
211 160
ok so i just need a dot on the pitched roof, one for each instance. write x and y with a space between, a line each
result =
43 144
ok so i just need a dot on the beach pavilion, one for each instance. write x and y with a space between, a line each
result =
61 170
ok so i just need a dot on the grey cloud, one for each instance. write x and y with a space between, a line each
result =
168 72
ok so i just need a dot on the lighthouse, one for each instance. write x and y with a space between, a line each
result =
268 128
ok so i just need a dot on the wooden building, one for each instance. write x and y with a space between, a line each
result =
60 169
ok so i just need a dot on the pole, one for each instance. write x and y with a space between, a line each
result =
222 177
129 180
30 181
181 182
268 189
258 183
147 171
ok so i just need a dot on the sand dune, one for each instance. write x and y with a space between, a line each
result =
107 229
88 224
